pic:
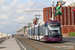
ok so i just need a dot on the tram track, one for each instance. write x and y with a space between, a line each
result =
43 44
36 43
55 45
29 44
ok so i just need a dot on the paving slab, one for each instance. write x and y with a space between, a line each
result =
9 44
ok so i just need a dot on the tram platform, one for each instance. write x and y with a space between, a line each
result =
9 44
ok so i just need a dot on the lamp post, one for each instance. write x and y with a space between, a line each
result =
52 9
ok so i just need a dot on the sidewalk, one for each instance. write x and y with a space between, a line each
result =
9 44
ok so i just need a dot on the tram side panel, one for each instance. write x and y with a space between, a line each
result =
29 33
32 33
42 32
36 33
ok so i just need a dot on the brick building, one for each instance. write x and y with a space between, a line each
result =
67 19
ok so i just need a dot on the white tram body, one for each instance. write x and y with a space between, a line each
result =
48 31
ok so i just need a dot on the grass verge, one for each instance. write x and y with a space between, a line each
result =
72 34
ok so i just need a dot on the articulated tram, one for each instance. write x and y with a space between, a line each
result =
49 31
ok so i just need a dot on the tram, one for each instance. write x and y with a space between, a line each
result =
48 31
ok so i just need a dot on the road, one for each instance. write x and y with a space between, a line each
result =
28 44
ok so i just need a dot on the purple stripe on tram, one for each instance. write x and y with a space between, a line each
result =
52 22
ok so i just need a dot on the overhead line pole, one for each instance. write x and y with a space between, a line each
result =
32 12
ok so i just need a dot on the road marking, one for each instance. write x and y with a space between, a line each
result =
21 44
61 45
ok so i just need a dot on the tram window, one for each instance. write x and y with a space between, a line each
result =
43 30
54 30
46 31
36 30
32 31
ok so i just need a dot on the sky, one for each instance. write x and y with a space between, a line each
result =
12 13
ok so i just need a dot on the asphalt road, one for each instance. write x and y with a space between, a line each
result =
28 44
70 39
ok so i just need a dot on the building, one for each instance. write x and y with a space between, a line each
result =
67 19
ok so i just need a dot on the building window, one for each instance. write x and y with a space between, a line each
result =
69 23
46 12
65 20
53 14
68 14
49 14
64 14
46 15
68 8
72 17
61 20
68 20
46 9
72 11
57 17
72 8
49 11
72 20
64 17
65 23
68 17
68 11
64 11
72 14
72 23
64 8
61 23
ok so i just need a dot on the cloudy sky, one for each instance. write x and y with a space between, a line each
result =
11 13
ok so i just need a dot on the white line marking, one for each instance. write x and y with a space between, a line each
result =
21 44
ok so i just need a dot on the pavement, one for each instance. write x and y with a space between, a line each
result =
9 44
